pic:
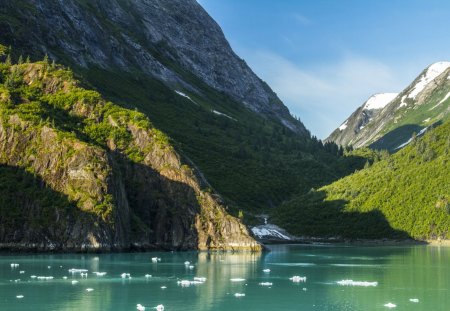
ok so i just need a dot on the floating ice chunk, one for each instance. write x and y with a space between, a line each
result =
49 267
19 296
184 283
159 308
73 271
265 284
89 289
304 289
414 300
390 305
140 307
163 287
239 295
200 279
266 270
83 275
191 267
125 275
156 259
14 265
298 279
22 272
33 276
237 280
356 283
99 273
74 282
187 283
65 277
148 276
45 278
187 263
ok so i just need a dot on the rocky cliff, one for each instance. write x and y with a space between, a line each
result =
81 173
165 39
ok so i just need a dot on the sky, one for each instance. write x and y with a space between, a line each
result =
325 58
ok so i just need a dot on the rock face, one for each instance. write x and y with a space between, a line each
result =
105 178
171 40
423 103
349 130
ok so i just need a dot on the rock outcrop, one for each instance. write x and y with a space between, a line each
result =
116 181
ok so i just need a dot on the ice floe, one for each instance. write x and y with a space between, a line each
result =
237 280
156 259
390 305
239 295
298 279
73 271
187 283
14 265
265 284
99 273
356 283
414 300
19 296
45 278
89 289
125 275
266 270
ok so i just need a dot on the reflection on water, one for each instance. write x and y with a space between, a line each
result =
403 274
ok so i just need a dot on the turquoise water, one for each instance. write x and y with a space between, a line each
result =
401 273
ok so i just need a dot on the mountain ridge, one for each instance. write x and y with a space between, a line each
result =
421 104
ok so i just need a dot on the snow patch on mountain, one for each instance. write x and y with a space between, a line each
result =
432 73
379 101
343 126
222 114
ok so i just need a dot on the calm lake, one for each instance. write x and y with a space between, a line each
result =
410 277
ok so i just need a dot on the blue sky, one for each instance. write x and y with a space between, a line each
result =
324 58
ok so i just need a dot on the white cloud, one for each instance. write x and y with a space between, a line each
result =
301 19
326 94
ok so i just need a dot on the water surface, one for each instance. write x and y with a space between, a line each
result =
401 273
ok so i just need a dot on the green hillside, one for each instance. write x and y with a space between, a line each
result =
401 195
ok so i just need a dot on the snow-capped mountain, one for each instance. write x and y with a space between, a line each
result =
391 124
349 130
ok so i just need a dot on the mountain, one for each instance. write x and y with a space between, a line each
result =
80 173
349 130
403 195
169 60
424 103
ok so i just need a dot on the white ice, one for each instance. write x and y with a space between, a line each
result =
432 73
265 284
379 101
222 114
390 305
356 283
343 125
298 279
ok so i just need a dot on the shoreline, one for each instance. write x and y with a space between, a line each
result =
356 242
